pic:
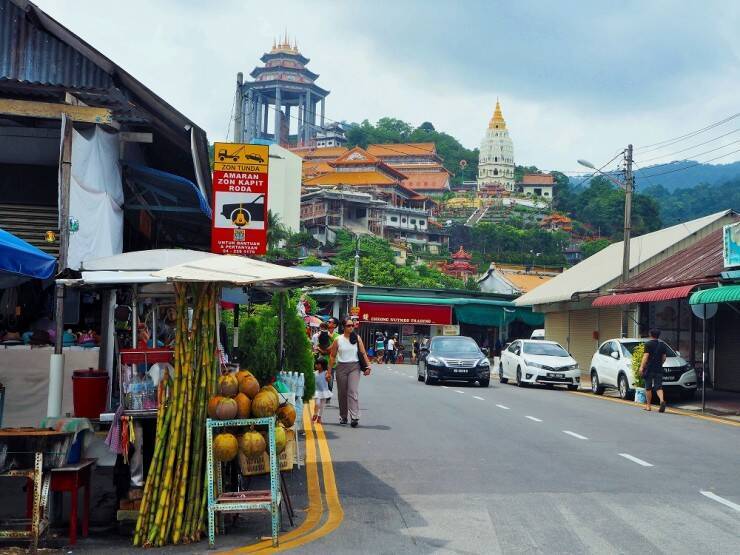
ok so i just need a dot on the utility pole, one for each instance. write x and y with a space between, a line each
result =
628 187
357 272
239 109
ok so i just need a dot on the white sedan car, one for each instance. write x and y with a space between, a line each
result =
538 362
611 366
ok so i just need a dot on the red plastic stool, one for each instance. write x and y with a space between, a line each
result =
71 478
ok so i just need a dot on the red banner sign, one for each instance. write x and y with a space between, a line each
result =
401 313
240 199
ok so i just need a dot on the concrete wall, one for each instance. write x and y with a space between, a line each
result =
284 186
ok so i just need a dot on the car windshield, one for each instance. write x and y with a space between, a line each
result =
629 347
545 349
455 346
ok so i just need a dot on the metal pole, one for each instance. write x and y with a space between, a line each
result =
628 186
239 103
704 358
282 332
357 272
235 340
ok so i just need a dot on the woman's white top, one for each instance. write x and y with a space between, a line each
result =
346 352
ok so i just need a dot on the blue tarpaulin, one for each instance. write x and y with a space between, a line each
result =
18 259
165 192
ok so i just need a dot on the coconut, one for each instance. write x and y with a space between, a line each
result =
243 373
228 386
252 444
226 409
225 447
281 439
286 415
243 404
264 404
212 404
249 386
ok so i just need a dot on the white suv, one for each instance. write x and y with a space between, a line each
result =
611 366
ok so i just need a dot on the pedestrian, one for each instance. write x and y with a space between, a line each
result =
386 353
391 350
350 357
497 349
415 350
379 347
651 368
323 328
323 394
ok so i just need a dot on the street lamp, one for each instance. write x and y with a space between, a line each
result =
628 185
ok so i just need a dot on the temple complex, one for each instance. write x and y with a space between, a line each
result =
496 158
419 162
461 268
284 90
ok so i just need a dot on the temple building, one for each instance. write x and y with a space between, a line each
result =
284 90
496 158
461 268
419 162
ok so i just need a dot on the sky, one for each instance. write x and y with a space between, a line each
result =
576 79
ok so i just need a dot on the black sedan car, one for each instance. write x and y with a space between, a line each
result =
453 358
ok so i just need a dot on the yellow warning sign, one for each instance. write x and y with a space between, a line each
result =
240 157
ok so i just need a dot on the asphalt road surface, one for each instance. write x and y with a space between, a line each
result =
461 469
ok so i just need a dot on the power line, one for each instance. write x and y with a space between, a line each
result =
698 154
684 168
668 142
690 147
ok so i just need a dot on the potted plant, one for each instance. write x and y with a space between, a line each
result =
637 379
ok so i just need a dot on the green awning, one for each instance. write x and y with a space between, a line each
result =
476 312
726 294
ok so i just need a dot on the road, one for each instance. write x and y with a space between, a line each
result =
435 469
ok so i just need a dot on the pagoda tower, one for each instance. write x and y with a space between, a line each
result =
496 157
460 267
282 84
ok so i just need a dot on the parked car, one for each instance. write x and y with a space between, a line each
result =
535 361
538 334
611 366
455 358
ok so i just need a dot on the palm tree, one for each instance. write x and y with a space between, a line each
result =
276 231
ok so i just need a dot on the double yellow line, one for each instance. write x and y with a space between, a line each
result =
315 526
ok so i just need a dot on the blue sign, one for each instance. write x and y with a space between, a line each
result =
731 246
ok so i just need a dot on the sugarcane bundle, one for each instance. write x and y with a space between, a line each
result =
174 501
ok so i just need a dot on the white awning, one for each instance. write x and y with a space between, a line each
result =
243 271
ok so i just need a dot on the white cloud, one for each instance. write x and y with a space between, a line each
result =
573 83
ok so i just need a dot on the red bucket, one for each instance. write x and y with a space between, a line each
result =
89 392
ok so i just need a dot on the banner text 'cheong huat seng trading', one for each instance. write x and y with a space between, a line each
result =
240 173
402 313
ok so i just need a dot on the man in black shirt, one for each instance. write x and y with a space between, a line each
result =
651 369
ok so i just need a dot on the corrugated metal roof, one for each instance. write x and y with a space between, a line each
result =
30 55
605 267
701 262
725 294
652 296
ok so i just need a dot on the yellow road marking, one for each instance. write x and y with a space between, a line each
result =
315 502
336 513
681 412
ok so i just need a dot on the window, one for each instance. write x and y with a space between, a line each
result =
422 223
606 349
514 347
545 349
495 171
495 158
412 221
394 218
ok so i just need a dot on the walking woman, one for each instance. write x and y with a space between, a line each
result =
350 357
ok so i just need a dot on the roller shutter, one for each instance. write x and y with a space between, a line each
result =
610 323
583 324
727 350
556 327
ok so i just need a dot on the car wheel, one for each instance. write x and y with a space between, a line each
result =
519 381
485 383
624 387
427 379
501 378
596 387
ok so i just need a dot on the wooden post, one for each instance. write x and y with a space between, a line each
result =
65 176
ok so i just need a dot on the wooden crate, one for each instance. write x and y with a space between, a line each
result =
254 466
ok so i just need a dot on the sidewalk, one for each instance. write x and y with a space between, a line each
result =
724 404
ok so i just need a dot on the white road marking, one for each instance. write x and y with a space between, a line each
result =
479 398
635 459
445 387
533 418
579 436
502 407
458 391
718 499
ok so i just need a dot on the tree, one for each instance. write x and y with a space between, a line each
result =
589 248
276 231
